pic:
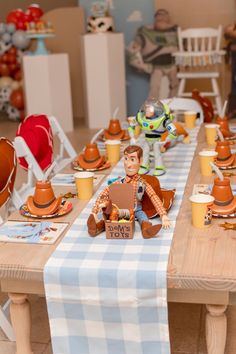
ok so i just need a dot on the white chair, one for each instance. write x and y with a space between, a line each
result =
179 105
65 146
5 323
34 170
199 50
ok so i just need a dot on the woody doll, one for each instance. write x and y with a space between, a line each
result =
132 162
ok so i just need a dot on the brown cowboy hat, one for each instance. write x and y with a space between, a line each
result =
166 196
224 128
114 131
91 158
224 157
225 201
8 170
43 202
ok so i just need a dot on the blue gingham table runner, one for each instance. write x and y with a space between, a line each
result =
110 296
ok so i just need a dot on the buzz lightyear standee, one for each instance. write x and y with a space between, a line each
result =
154 118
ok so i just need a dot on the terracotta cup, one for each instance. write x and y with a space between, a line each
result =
206 157
113 150
84 185
211 133
201 213
190 119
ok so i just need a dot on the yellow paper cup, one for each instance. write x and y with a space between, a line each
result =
206 157
190 119
211 133
113 150
132 122
84 184
201 212
137 131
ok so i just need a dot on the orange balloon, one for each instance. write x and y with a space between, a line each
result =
17 99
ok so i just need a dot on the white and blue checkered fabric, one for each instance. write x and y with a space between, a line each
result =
110 296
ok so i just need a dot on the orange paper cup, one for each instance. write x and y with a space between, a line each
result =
113 150
84 185
201 212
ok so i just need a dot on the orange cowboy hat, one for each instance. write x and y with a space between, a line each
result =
224 128
166 196
8 170
225 202
43 202
224 158
114 131
91 158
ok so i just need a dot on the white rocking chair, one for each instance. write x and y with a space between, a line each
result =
199 49
34 170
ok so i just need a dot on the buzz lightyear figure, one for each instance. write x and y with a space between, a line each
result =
154 118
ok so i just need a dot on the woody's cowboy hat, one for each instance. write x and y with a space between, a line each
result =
37 133
91 158
224 128
114 131
8 170
224 158
165 195
225 202
43 202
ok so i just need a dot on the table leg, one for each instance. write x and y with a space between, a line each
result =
21 322
216 329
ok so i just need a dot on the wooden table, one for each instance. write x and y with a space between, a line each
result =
201 269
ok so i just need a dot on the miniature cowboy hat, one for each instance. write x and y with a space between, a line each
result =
224 158
43 202
8 170
114 131
165 195
90 158
225 201
37 133
224 128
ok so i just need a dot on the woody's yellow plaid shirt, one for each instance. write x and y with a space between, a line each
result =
134 180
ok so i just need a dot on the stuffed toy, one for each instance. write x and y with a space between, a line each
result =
151 52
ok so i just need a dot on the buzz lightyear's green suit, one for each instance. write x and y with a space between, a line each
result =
151 52
154 118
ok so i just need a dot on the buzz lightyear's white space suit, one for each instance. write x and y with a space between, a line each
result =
154 118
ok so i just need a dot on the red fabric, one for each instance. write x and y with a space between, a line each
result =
37 133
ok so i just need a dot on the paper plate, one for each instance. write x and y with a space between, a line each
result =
233 215
64 209
227 168
77 167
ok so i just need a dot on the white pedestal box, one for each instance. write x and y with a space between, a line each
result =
104 77
47 87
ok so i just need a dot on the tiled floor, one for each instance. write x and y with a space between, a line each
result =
186 320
